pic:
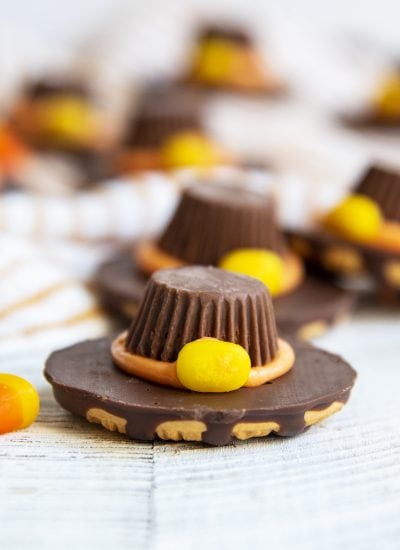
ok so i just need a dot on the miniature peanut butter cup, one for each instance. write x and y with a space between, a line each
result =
182 305
168 377
225 32
50 87
383 186
164 109
353 257
210 222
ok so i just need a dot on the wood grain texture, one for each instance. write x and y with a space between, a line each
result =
65 482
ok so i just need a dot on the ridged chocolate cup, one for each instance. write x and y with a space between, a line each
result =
383 186
164 110
182 305
212 220
228 33
52 87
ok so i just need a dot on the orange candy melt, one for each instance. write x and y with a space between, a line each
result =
19 403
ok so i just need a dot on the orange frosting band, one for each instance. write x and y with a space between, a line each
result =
164 373
142 159
150 259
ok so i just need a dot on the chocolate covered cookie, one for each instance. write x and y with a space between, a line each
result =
212 369
62 117
360 237
382 110
166 132
221 225
226 58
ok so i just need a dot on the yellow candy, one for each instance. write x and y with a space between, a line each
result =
215 61
188 149
387 100
19 403
67 119
357 217
211 365
262 264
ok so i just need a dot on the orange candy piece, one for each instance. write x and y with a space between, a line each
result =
12 151
19 403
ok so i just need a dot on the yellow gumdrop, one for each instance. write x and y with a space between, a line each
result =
357 217
215 61
19 403
211 365
67 119
188 149
262 264
387 100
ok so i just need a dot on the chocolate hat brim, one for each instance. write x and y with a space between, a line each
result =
315 246
315 304
86 383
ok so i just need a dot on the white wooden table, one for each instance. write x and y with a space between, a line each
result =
68 484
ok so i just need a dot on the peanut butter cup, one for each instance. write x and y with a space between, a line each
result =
185 304
169 375
163 110
225 32
383 186
210 222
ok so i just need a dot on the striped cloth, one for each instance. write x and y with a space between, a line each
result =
41 302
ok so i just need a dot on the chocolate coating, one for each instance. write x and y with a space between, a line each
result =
182 305
51 87
372 260
369 120
164 109
212 220
383 186
315 301
224 32
121 287
83 376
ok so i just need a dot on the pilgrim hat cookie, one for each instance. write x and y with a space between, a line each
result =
360 236
166 132
235 229
202 361
382 110
227 58
61 117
